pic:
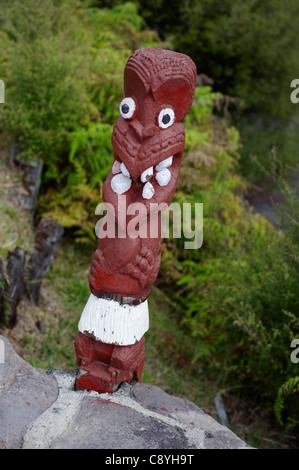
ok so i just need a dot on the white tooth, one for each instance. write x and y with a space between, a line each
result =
163 177
148 191
116 167
120 183
124 170
147 174
164 164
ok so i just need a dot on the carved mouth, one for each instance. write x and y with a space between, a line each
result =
149 163
139 156
122 180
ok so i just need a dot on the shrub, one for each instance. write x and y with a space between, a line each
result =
238 294
63 68
44 96
109 37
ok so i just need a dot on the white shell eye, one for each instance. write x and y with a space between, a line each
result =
166 118
127 108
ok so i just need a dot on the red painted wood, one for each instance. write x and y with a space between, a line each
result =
104 366
154 79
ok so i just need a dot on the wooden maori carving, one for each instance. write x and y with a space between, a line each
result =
148 141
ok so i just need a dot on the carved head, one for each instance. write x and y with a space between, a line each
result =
159 87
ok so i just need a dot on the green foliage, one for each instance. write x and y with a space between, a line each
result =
63 68
238 294
247 47
40 66
73 206
90 160
286 390
114 35
250 51
91 149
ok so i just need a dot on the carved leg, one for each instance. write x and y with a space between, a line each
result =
89 350
127 361
104 366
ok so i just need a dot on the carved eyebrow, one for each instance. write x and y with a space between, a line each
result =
141 82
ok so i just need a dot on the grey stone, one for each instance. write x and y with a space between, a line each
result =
103 424
43 410
25 393
217 436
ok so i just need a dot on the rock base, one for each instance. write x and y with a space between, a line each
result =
42 410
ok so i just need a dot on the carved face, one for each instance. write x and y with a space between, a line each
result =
148 136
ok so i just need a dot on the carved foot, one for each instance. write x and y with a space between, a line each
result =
103 367
96 377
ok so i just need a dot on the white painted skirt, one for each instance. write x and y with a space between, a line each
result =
112 323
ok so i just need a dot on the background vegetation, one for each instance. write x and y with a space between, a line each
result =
228 323
249 50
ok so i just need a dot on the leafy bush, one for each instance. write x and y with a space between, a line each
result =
238 294
63 68
290 387
247 47
111 35
41 65
90 159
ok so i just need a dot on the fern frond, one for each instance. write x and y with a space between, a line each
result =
289 387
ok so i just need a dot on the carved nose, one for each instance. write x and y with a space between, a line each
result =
137 129
149 131
142 132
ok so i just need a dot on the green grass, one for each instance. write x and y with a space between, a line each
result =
9 211
67 283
